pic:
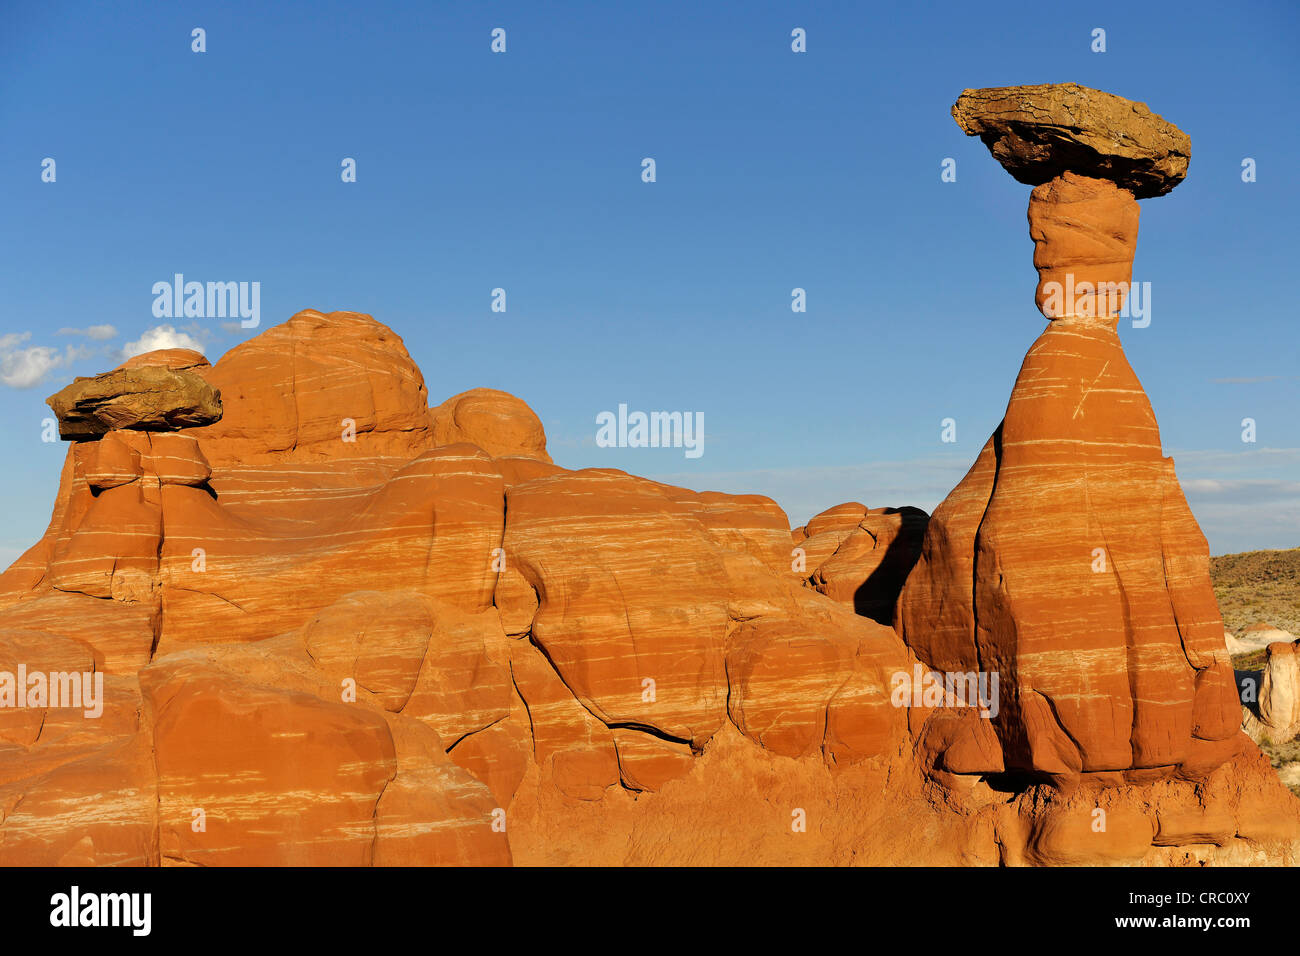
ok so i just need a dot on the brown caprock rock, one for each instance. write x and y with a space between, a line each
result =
1039 132
145 398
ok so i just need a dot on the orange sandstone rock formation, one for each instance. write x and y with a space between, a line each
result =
861 556
322 645
1085 234
340 627
496 421
1067 560
339 651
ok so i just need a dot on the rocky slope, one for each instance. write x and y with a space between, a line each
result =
1258 589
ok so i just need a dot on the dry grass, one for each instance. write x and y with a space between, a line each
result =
1254 661
1258 587
1281 754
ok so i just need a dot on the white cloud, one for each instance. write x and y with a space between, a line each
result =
99 333
25 367
1244 490
160 337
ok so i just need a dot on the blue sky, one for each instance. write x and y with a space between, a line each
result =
775 170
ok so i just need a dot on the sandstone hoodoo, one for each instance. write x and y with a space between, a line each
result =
1067 559
1275 713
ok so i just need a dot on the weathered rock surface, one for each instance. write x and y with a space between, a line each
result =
152 398
1068 562
496 421
318 388
639 586
1085 234
1039 132
1276 710
861 556
178 359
